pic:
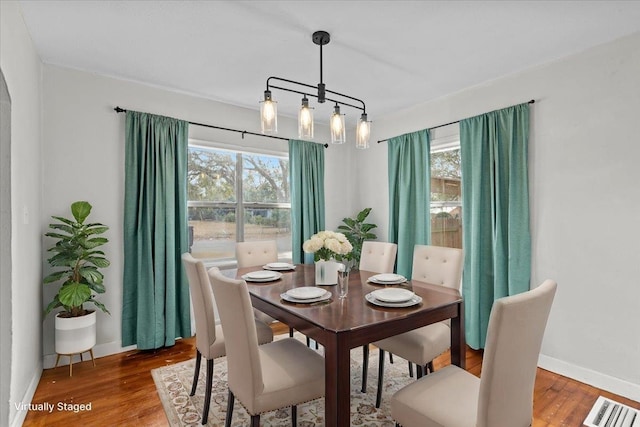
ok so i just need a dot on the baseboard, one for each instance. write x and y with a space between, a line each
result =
100 350
17 416
593 378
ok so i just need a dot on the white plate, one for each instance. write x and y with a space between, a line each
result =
416 299
372 279
289 298
262 276
389 277
279 266
393 295
306 292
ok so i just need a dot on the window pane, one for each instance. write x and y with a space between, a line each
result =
214 232
269 224
211 175
265 179
446 199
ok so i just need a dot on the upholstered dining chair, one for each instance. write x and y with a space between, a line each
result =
254 254
210 342
432 264
503 395
268 377
378 257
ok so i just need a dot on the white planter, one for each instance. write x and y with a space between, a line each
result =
75 334
327 272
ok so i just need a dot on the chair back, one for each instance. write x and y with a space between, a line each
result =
249 254
203 304
239 327
438 265
378 257
514 337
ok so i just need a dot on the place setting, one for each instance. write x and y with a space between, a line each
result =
393 297
306 295
279 266
262 276
387 279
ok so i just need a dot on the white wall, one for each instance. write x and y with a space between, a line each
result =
83 156
22 70
584 153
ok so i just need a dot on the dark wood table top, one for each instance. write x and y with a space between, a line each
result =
354 311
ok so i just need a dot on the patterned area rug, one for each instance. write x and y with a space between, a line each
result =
174 384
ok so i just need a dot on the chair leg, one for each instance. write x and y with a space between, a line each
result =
390 357
196 373
255 420
290 332
419 371
230 401
207 391
365 367
380 378
294 416
410 369
308 342
430 367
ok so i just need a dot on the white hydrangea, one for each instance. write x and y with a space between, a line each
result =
327 244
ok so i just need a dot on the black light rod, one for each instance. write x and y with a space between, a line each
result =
316 96
451 123
243 132
363 108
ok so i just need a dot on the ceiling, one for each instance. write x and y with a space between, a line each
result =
391 54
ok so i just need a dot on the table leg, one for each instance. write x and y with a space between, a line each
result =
458 342
337 383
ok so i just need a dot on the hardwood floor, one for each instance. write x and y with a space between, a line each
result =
122 393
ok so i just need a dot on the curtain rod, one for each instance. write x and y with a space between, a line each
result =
243 132
457 121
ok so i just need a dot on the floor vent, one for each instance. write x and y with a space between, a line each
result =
609 413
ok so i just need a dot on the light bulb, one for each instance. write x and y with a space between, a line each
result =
363 132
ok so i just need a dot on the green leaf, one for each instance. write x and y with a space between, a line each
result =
91 274
80 210
63 227
62 219
99 305
62 259
74 294
53 304
363 214
54 277
98 261
58 236
95 242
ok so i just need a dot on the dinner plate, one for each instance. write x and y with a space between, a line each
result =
393 295
306 292
289 298
416 299
276 266
389 278
262 276
373 279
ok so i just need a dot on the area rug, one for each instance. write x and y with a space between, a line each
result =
174 384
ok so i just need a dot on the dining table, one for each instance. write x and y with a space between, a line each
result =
342 324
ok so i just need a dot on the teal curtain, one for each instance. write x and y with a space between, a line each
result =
409 195
495 213
306 180
155 308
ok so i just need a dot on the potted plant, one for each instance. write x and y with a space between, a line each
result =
357 231
77 258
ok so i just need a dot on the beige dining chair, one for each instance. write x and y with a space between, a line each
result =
210 342
256 254
503 395
378 257
267 377
432 264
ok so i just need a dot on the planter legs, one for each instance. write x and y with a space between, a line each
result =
71 360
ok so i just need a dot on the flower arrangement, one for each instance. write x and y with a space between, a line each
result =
326 245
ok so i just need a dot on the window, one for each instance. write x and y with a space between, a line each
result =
446 197
236 196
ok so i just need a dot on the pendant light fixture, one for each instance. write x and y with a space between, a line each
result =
269 113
